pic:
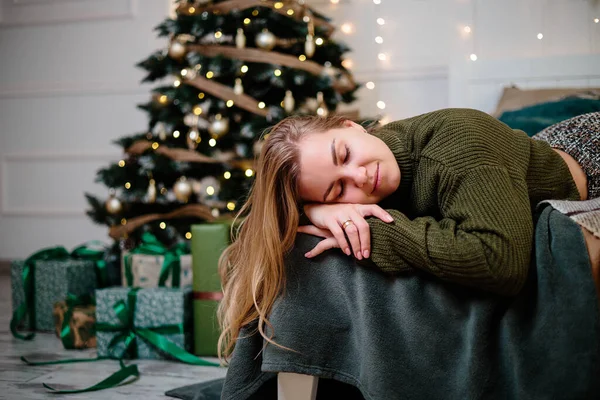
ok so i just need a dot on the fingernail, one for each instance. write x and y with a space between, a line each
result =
366 253
358 255
347 251
389 218
307 254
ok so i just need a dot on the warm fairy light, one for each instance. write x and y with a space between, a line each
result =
370 85
335 1
198 110
210 74
230 103
123 221
192 10
249 172
176 83
121 163
596 20
306 19
381 21
382 56
347 63
319 41
176 134
347 28
231 206
163 98
302 57
540 36
377 1
261 105
379 39
227 175
212 142
155 145
184 72
277 72
188 235
290 12
218 34
163 225
381 105
467 29
201 95
127 185
210 190
473 57
278 5
247 21
244 69
255 13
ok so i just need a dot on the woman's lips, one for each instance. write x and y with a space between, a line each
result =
377 179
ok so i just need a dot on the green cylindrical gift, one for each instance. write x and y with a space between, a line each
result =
208 242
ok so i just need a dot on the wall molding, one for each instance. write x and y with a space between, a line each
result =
48 12
71 156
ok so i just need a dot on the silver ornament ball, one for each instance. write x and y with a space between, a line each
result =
182 189
176 50
113 205
219 127
266 40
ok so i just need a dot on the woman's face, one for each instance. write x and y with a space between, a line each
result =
346 165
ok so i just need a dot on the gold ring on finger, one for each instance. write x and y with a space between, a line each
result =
346 224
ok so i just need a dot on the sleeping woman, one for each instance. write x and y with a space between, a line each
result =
451 192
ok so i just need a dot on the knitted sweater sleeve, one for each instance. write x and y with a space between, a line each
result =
483 239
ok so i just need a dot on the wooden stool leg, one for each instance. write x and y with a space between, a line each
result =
296 386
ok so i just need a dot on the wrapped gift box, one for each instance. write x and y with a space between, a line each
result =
208 242
155 309
146 270
82 323
53 280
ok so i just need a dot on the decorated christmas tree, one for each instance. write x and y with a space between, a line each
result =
231 69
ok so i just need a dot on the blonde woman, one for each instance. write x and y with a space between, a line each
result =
449 192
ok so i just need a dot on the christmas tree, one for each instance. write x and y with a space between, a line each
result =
232 68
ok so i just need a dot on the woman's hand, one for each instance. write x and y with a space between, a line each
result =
336 221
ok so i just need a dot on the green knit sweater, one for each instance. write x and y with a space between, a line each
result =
463 211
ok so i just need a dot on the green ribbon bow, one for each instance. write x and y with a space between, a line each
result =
28 304
129 333
150 245
72 301
94 251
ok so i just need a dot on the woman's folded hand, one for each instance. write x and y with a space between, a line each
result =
341 223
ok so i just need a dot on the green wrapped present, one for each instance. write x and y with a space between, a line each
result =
124 317
208 242
48 276
152 264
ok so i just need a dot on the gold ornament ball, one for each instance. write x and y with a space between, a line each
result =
182 189
176 50
219 127
113 205
266 40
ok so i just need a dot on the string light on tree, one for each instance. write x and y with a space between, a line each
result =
473 57
370 85
540 36
467 29
347 28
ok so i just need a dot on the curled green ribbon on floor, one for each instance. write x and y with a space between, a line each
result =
128 333
28 275
150 245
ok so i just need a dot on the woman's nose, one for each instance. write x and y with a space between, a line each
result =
358 176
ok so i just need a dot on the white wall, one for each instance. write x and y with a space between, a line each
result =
69 85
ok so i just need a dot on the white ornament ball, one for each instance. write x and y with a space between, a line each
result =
113 205
182 189
266 40
219 127
176 49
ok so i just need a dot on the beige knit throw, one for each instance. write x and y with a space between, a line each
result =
585 213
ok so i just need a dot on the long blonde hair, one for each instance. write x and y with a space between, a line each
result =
251 268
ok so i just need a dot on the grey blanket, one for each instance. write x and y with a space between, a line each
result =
414 337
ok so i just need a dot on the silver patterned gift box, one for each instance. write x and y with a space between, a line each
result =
155 308
53 280
146 270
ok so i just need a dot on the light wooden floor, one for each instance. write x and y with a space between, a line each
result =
22 382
